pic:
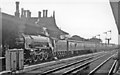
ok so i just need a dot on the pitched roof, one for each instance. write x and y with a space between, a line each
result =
50 24
12 23
33 30
12 26
76 37
28 26
33 19
95 40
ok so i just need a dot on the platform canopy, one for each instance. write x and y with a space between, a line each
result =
115 5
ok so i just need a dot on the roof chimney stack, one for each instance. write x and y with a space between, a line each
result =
53 14
22 12
25 13
39 14
28 14
43 13
46 12
17 9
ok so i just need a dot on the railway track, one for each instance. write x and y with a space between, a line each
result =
112 70
106 67
97 69
71 67
58 63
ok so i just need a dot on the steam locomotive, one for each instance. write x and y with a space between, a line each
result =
17 33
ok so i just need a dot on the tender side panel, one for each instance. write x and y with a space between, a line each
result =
61 45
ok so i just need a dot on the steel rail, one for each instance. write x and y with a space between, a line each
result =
95 69
74 72
115 68
81 67
56 69
90 56
112 68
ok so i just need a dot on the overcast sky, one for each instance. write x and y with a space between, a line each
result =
86 18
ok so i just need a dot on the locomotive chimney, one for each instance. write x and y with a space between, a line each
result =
17 14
